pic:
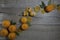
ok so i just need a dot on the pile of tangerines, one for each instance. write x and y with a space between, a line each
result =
10 29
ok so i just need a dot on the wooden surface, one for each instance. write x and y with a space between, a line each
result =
44 26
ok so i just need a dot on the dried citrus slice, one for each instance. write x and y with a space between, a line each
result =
37 8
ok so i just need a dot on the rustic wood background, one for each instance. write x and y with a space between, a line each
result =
44 26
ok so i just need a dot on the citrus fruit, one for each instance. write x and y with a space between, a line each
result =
24 26
25 13
28 9
12 28
24 19
12 36
49 8
6 23
4 32
32 14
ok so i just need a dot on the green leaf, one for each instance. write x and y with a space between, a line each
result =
29 24
58 5
17 33
43 4
49 2
13 23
